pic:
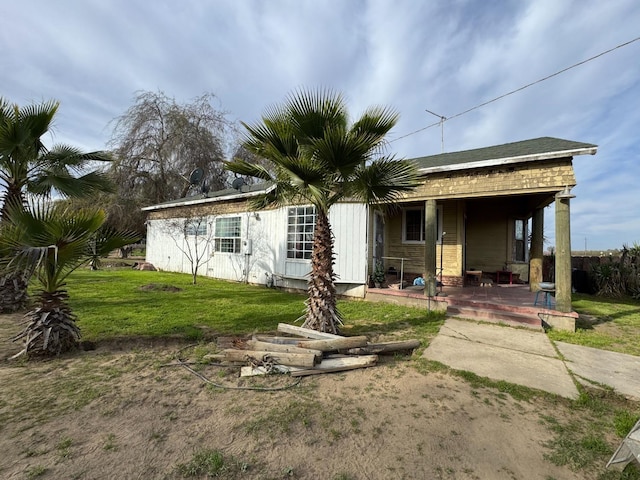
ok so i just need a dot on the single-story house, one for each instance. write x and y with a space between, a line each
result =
477 210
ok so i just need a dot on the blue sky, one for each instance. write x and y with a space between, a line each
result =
445 56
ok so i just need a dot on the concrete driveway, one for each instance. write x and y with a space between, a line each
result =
529 358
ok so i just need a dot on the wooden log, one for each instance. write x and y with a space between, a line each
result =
333 344
305 332
278 340
337 365
293 359
275 347
385 347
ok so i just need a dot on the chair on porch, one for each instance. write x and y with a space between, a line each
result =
548 290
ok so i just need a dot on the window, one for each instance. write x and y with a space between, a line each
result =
519 240
227 238
196 227
300 225
413 225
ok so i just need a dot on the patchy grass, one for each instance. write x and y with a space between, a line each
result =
586 445
212 464
605 323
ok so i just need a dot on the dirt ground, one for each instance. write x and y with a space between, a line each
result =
118 412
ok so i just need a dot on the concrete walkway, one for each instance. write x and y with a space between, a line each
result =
528 358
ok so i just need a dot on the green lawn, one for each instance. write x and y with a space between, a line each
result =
609 324
127 303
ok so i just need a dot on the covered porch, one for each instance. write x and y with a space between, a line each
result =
479 215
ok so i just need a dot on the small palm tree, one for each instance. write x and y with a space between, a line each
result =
27 167
317 156
49 242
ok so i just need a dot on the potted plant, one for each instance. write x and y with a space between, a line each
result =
378 275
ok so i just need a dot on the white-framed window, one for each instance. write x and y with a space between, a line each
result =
519 240
301 221
413 224
196 227
228 235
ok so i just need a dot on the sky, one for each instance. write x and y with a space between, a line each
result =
446 56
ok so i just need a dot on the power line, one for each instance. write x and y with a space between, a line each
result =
443 119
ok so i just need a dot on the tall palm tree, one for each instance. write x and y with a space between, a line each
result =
50 242
318 156
28 167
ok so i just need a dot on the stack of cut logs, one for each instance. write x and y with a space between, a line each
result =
308 353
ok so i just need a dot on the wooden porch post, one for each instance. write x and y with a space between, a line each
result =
430 239
563 252
536 258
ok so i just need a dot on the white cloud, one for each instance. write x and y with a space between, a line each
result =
442 56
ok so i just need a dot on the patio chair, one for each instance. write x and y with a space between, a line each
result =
548 290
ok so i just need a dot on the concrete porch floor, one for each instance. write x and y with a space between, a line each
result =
501 303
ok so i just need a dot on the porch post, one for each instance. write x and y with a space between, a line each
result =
430 239
563 251
536 258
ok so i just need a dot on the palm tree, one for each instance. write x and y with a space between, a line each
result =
28 167
317 156
49 242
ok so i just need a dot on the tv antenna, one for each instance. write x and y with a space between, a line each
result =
442 120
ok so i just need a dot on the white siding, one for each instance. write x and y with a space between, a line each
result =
264 251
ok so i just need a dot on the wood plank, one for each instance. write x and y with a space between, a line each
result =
278 340
333 344
305 332
293 359
338 365
275 347
385 347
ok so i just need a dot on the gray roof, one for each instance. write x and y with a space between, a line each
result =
525 151
218 195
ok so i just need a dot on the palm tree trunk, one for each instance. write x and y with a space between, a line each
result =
13 293
13 286
322 313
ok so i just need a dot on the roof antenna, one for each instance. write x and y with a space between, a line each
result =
442 120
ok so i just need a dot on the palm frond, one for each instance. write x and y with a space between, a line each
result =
242 167
69 186
384 180
312 112
68 157
53 240
376 121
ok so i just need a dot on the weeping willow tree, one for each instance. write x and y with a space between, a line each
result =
314 154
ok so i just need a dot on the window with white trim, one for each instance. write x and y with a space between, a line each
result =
413 225
301 222
228 235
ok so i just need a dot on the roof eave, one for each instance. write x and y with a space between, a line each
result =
206 200
510 160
